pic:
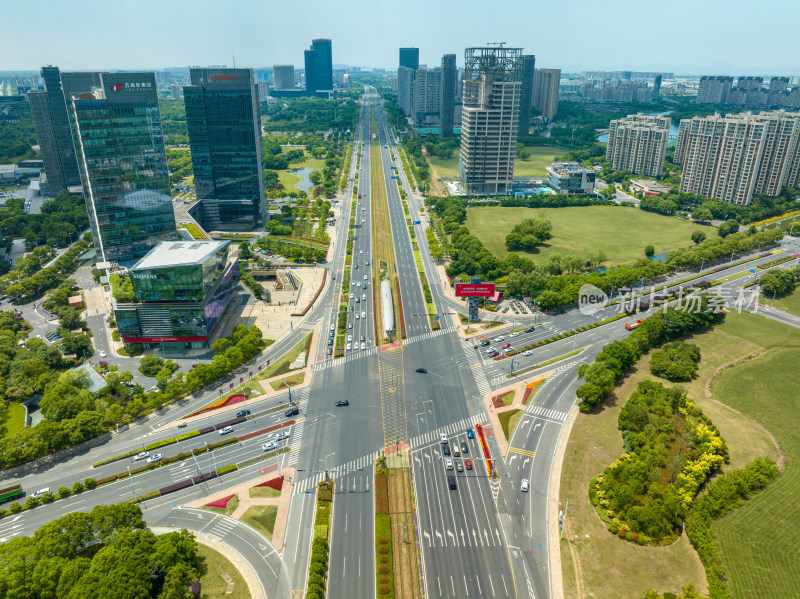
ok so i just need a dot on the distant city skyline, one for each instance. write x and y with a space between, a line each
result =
201 33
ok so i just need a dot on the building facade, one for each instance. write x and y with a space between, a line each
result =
546 84
713 90
319 68
123 165
735 157
427 96
405 89
638 143
489 119
571 178
224 123
447 102
283 74
182 290
49 108
409 58
528 72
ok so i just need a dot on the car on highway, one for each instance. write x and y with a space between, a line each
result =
182 425
225 430
141 456
363 345
365 277
242 413
38 494
529 329
506 345
357 316
516 334
451 482
349 346
470 433
468 464
524 485
363 314
499 339
330 340
342 403
281 436
349 325
330 351
448 464
364 296
456 451
459 467
156 457
103 354
367 262
360 251
364 286
446 449
421 371
358 300
355 266
527 352
293 411
464 447
443 439
363 221
485 343
352 295
271 446
333 327
349 337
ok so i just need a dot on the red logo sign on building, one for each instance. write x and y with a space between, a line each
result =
116 87
474 289
225 77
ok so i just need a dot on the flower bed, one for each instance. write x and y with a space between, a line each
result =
221 503
228 401
275 483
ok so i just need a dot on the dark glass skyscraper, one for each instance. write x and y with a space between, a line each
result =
222 115
51 120
409 57
447 101
526 93
120 148
319 67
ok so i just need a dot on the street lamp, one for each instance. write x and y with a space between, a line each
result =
133 492
325 461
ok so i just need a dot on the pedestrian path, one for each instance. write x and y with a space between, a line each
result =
220 528
429 335
353 355
362 464
547 413
450 429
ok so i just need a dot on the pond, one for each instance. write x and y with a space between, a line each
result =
304 184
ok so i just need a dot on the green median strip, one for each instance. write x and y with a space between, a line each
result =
545 363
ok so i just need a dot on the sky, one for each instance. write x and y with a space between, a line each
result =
683 36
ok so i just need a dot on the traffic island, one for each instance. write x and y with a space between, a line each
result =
404 552
506 406
318 565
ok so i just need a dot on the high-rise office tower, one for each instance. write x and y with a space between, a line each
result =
734 157
405 89
51 121
447 102
427 95
120 147
489 119
713 90
319 68
409 57
284 76
526 95
222 116
657 85
546 84
638 143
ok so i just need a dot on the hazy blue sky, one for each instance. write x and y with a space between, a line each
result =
684 36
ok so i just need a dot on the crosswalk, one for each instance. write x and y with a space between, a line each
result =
11 529
308 325
429 335
364 464
547 413
354 355
220 528
297 429
450 429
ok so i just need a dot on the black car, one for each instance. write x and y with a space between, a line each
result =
422 370
451 481
242 413
529 330
464 448
446 449
330 340
342 402
485 343
294 411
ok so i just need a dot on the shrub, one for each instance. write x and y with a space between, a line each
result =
629 536
64 492
317 568
14 507
621 533
90 483
384 559
318 589
384 579
226 469
383 569
383 549
613 529
77 487
107 479
383 541
312 596
32 502
316 579
383 589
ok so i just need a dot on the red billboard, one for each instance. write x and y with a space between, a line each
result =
474 289
161 339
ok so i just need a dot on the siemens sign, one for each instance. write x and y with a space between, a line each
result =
143 275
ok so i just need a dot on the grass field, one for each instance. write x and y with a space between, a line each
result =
541 157
281 365
264 492
790 303
289 179
12 420
508 422
622 232
262 518
613 569
212 566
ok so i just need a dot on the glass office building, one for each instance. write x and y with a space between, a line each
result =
182 290
120 147
224 123
319 68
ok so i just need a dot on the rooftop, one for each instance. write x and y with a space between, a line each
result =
178 253
568 168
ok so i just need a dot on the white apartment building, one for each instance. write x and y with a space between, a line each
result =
638 143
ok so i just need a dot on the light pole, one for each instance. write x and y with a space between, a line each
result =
325 461
130 476
213 457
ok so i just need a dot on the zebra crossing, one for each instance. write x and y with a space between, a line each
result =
220 528
429 335
547 413
308 325
362 353
450 429
364 463
297 430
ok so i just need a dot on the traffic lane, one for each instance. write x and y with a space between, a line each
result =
297 545
351 568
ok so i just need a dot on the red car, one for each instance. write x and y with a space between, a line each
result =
468 464
506 346
330 351
494 354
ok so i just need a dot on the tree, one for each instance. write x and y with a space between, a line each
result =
151 364
698 236
523 153
315 177
649 250
729 226
702 215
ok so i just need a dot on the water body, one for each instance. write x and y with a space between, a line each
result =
673 128
304 184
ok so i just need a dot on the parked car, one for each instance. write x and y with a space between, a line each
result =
421 371
485 343
506 345
281 436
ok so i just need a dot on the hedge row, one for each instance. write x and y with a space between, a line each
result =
560 336
318 566
226 469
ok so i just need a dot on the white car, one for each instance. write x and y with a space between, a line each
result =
352 295
363 221
363 345
360 251
348 347
38 494
349 337
365 277
141 456
271 446
448 464
156 457
102 353
524 485
514 334
490 350
225 430
443 439
281 436
527 352
499 339
349 325
363 296
363 314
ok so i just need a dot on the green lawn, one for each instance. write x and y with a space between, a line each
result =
790 303
289 179
212 566
281 365
622 233
12 420
264 492
262 518
508 421
759 541
541 157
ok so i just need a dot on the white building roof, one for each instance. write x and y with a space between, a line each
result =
178 253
